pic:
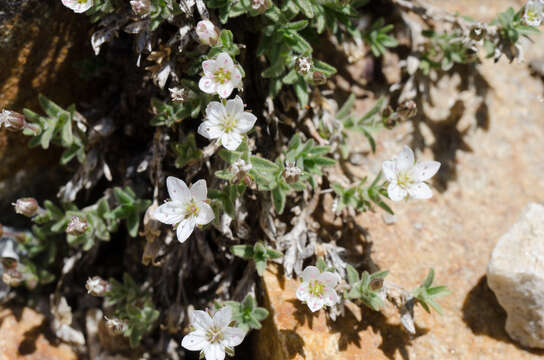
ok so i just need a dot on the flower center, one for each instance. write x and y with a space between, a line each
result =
229 123
222 76
316 288
81 1
532 15
214 335
191 209
403 180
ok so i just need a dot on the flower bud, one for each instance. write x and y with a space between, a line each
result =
407 109
291 173
206 32
8 256
12 120
303 65
96 286
140 7
116 326
319 78
77 226
260 5
177 94
12 277
26 206
478 31
376 284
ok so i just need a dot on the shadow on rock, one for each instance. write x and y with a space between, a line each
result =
484 315
394 337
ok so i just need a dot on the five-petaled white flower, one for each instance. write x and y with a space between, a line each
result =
227 122
317 288
206 32
187 207
213 337
221 76
534 12
78 6
406 178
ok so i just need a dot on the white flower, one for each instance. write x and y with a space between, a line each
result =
303 64
187 207
317 288
291 173
227 122
213 337
406 178
140 7
206 32
533 12
221 76
78 6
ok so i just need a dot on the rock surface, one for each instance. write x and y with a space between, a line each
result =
22 336
516 276
42 45
492 168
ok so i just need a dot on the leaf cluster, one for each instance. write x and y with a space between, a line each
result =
366 287
247 314
426 294
259 253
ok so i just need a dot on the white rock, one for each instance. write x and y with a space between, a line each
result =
516 275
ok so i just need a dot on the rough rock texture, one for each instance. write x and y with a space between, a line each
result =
516 276
42 45
23 336
492 167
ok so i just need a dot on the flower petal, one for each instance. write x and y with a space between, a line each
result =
424 170
205 214
199 191
214 352
169 213
233 336
210 131
405 159
420 191
207 85
395 192
224 90
235 106
236 77
177 189
231 141
224 60
330 297
388 168
310 273
246 120
185 229
194 341
315 303
303 292
223 317
209 68
329 279
201 320
215 112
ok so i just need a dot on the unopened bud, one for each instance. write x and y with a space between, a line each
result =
9 256
77 226
207 32
478 31
13 121
291 173
116 326
319 78
260 5
303 65
140 7
26 206
12 277
376 284
407 109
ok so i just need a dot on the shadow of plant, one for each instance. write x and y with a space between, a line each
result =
484 315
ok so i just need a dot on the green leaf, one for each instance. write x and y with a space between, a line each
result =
353 275
260 164
306 7
279 198
243 251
